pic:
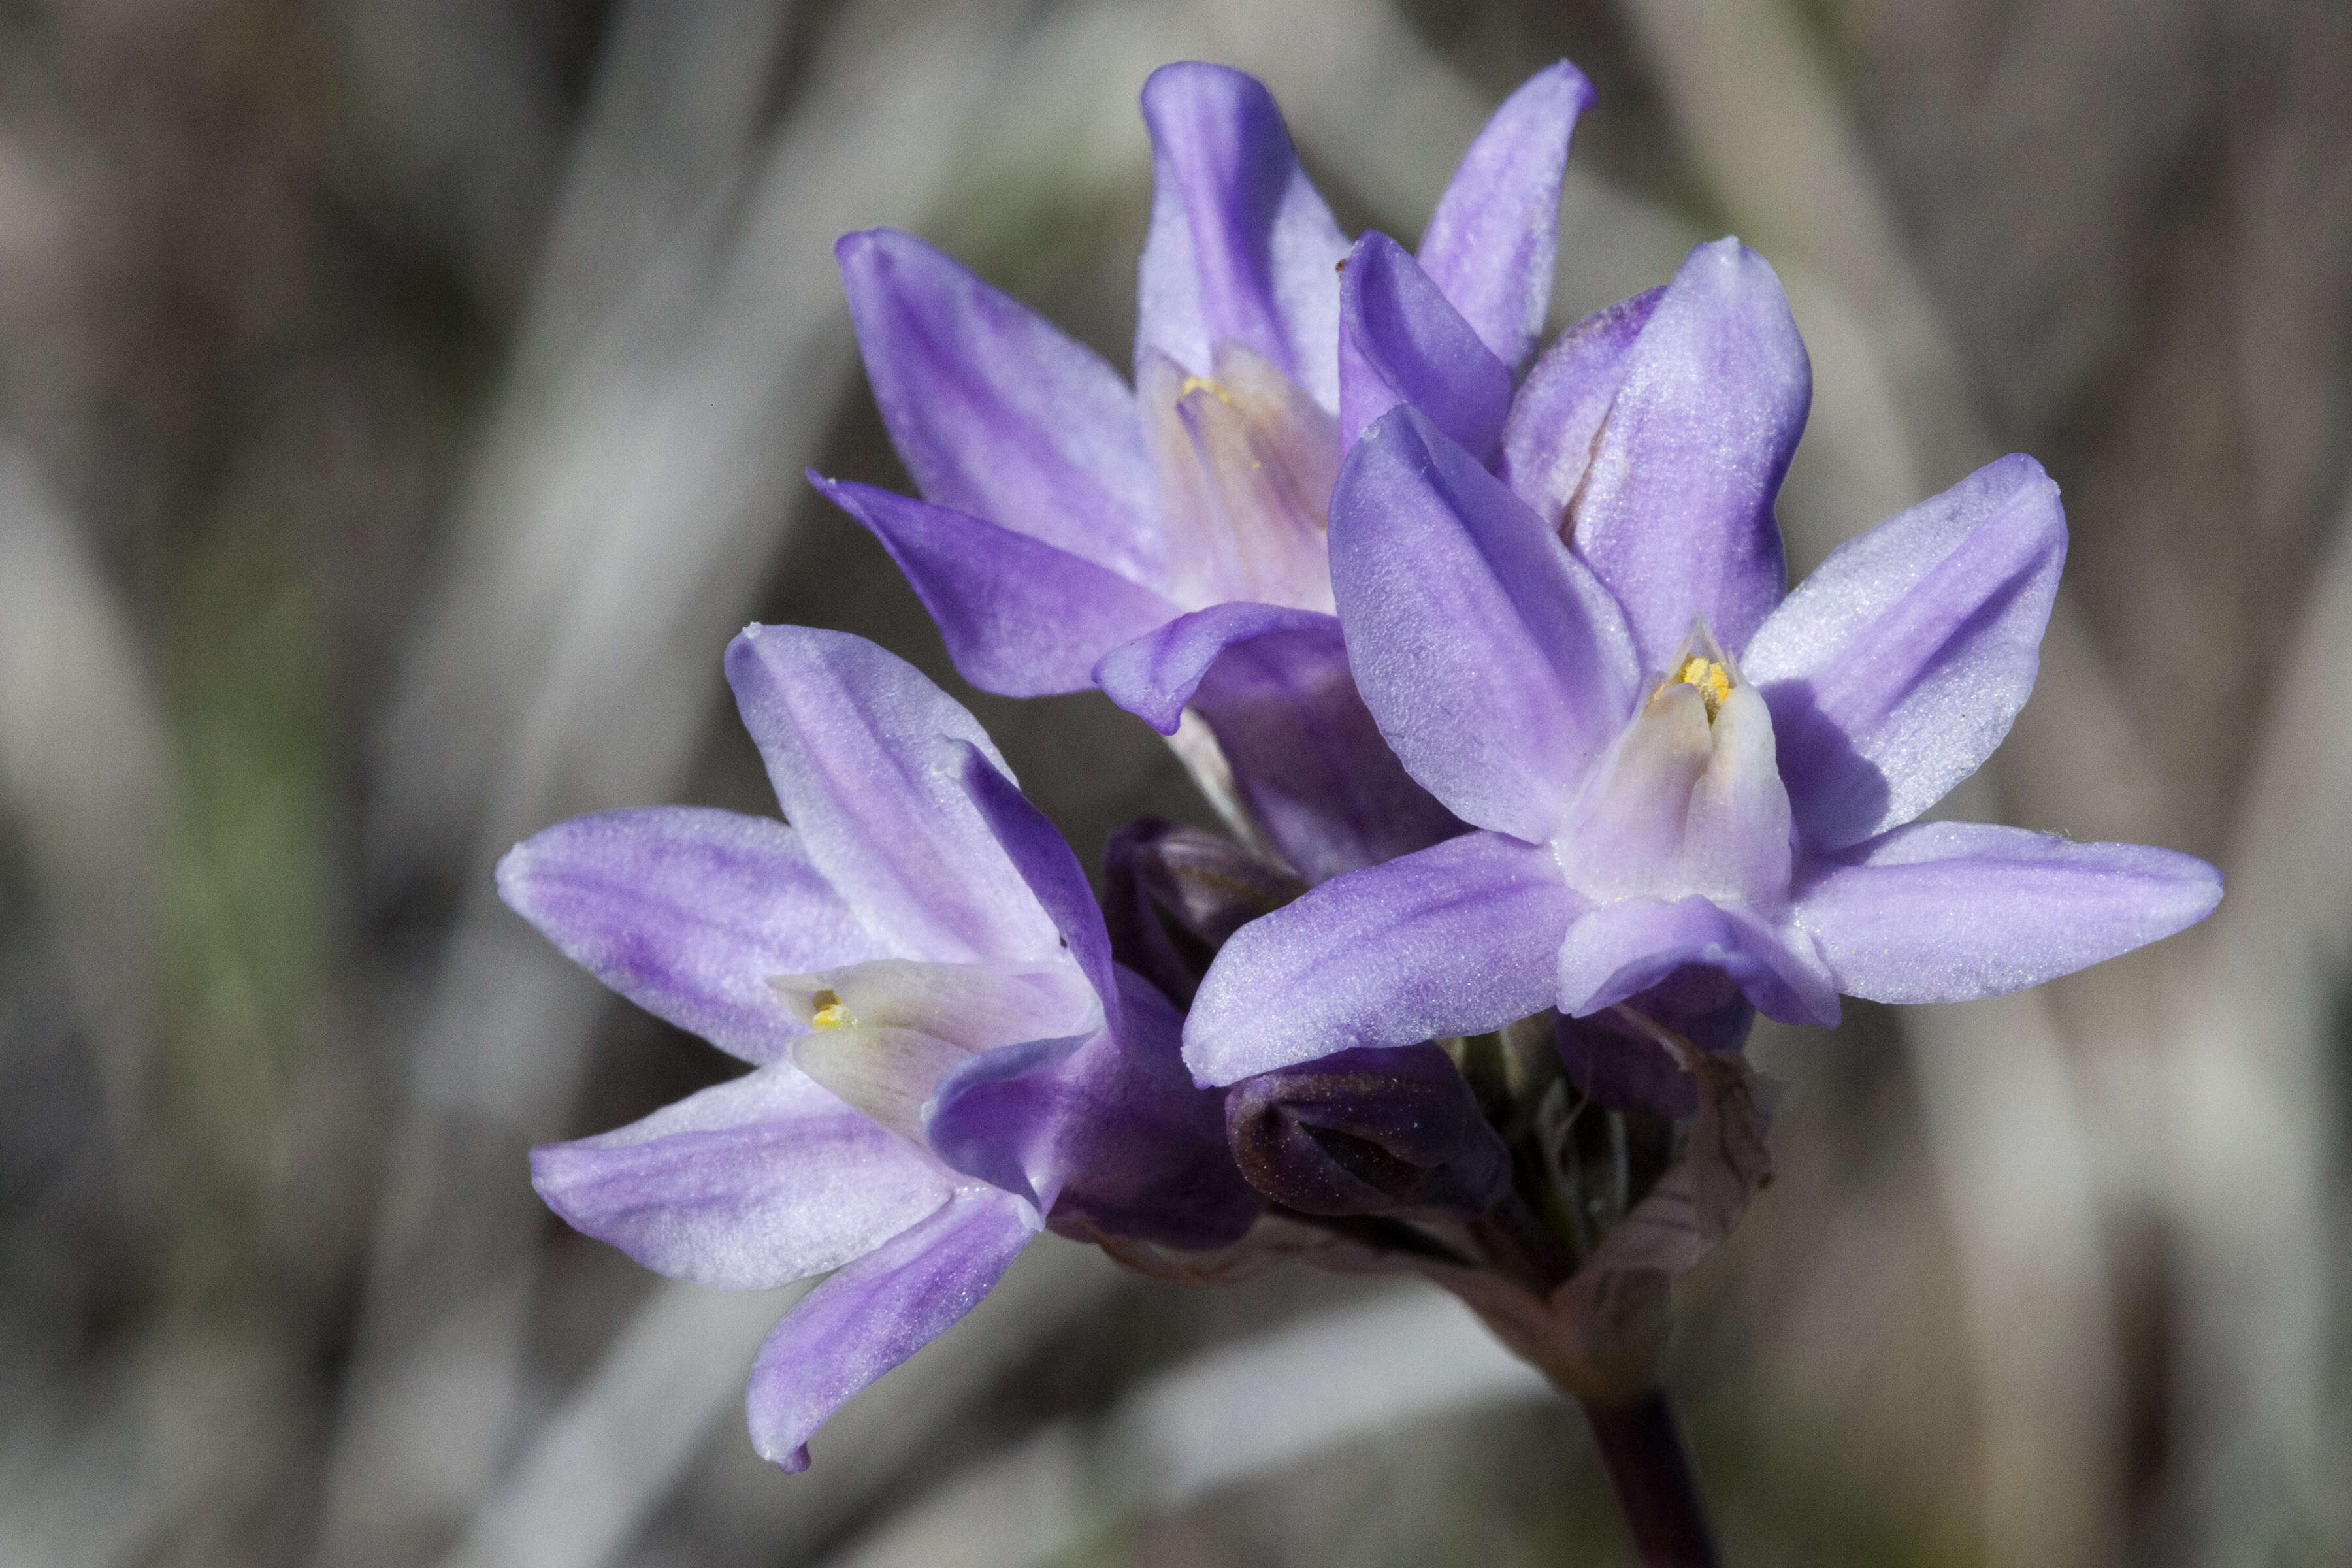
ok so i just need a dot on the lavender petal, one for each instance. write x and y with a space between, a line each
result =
1113 1137
1155 676
1455 940
1491 243
1497 666
1402 342
685 911
1617 949
1896 668
875 1313
1308 759
851 737
994 410
750 1183
1675 511
1556 417
1021 618
1947 911
1240 244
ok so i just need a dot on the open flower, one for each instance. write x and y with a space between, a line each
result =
945 1058
1684 783
1168 542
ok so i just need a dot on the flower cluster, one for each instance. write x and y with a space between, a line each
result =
1539 788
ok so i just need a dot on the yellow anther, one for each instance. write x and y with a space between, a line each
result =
829 1013
1193 384
1714 682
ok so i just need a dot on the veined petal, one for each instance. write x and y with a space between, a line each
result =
851 736
1402 342
1491 243
1155 676
1675 511
1306 757
995 412
1455 940
875 1313
1897 668
1497 666
1021 618
1616 949
1556 415
1112 1138
1044 858
1242 245
685 911
750 1183
1947 911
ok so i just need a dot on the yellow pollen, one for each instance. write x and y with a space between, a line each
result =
1714 682
1193 384
830 1014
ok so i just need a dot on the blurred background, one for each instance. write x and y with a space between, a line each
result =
401 402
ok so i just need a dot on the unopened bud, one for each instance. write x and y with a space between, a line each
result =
1174 894
1367 1132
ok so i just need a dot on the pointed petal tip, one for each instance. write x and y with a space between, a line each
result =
1199 77
1563 77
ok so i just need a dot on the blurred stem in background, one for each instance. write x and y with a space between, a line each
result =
253 927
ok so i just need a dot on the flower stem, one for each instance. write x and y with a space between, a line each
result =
1651 1476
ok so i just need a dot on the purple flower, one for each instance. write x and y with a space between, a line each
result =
945 1058
1168 542
1680 777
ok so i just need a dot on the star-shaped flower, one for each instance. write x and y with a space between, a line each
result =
1681 778
1167 541
945 1058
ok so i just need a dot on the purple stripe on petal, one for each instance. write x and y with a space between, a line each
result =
750 1183
996 412
1556 417
1620 949
1043 857
1497 666
1676 512
1114 1136
1308 759
875 1313
1491 243
1896 668
687 912
1021 618
1155 676
1400 342
850 735
1947 911
1455 940
1242 245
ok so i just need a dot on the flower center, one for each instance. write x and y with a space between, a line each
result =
1245 462
1713 680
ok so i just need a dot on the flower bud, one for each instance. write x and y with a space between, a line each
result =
1367 1132
1174 894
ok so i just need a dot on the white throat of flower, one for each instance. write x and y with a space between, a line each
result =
1245 462
881 1035
1688 798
